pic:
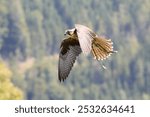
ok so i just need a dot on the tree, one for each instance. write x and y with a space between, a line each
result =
7 88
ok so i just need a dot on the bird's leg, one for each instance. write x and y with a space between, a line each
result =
103 66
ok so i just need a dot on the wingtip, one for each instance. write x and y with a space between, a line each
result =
77 25
61 80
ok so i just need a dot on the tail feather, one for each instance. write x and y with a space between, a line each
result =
102 48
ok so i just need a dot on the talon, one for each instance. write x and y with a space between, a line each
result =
104 67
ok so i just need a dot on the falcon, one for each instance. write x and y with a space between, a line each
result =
81 39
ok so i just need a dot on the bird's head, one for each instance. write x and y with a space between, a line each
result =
70 32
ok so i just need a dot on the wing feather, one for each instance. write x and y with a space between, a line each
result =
85 37
70 49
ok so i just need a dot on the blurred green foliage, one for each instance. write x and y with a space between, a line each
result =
7 89
30 35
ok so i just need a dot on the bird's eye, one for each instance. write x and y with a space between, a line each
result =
68 32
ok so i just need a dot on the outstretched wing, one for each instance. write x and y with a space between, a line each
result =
85 37
69 50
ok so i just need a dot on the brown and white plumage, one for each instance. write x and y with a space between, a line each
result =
69 50
81 39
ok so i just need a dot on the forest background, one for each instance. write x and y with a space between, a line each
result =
30 35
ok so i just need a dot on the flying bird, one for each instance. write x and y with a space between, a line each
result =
81 39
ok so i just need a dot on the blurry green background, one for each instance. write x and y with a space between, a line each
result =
30 35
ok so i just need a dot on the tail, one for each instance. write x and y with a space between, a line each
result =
102 48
